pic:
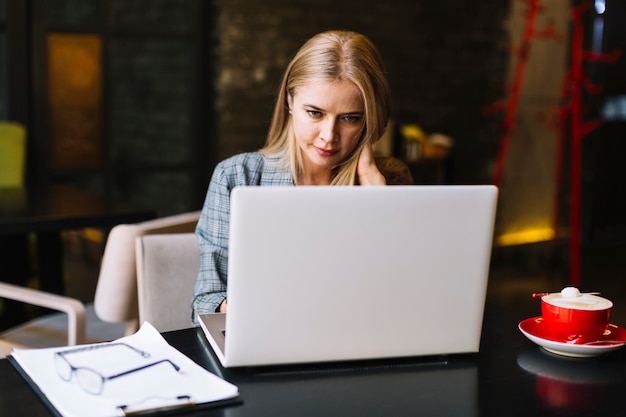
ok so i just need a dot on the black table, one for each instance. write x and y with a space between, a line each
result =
46 212
509 377
60 207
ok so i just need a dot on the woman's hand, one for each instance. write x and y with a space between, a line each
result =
222 307
367 170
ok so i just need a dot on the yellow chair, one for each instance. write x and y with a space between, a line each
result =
12 154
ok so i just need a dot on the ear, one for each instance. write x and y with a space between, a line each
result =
289 100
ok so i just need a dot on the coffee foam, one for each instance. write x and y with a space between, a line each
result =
578 302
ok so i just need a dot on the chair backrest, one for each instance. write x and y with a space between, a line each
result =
167 268
12 154
116 292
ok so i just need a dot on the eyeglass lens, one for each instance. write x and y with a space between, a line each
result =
91 380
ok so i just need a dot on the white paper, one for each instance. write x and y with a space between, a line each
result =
155 386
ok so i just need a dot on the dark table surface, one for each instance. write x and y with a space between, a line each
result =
510 376
46 212
61 207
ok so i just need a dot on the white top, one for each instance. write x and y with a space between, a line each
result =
570 297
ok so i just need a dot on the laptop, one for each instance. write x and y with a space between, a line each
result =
330 274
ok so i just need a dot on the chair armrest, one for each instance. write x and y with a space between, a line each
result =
75 309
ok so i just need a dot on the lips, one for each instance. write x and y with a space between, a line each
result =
325 152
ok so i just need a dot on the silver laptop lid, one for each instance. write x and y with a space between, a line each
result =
343 273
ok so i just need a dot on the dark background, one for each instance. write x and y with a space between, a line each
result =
187 83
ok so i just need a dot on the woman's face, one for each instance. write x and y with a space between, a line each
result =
328 119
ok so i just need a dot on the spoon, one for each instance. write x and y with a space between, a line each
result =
541 294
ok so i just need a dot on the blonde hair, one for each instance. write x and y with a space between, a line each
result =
331 56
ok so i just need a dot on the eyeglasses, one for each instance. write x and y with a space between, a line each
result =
91 380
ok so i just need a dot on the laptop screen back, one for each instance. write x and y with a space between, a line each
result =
343 273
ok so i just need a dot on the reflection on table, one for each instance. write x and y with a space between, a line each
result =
569 384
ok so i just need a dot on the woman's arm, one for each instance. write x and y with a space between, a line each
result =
212 232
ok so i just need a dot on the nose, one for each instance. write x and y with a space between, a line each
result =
328 131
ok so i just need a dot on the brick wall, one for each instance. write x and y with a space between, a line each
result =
188 83
446 59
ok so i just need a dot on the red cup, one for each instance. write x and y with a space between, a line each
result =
574 317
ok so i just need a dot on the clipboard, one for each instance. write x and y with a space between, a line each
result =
148 404
33 386
183 407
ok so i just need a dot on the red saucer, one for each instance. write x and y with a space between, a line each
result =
535 329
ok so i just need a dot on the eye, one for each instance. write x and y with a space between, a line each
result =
353 118
314 113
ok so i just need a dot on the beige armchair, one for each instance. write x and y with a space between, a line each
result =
116 293
115 299
167 268
36 333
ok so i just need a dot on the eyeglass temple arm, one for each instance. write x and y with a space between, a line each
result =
130 371
103 345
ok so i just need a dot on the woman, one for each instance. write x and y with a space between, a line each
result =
333 104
